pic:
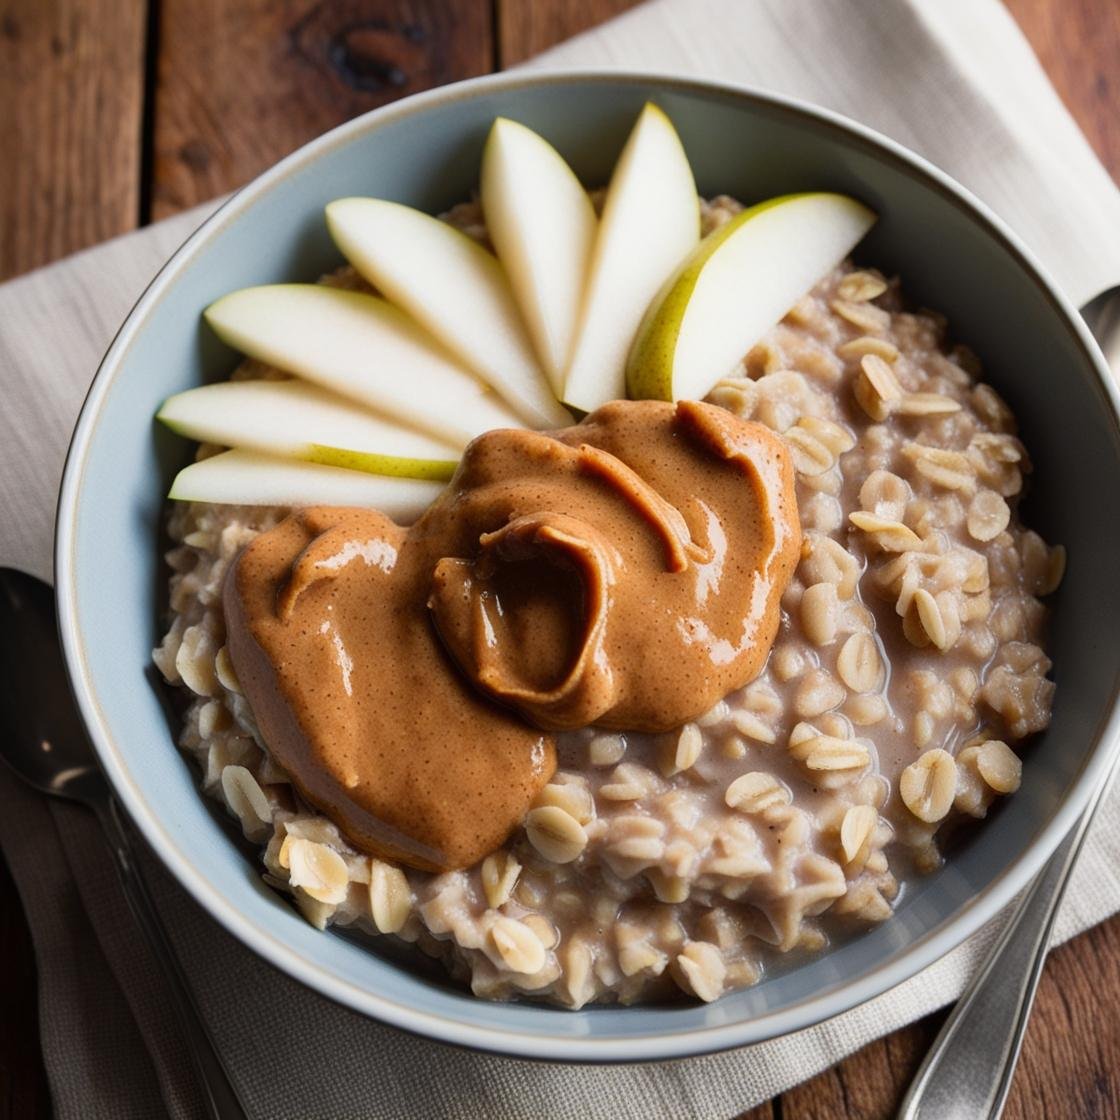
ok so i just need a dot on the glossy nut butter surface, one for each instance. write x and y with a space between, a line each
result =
625 572
329 636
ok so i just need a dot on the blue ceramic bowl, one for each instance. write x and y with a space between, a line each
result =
953 254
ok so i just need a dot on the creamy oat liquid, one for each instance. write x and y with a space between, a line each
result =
626 573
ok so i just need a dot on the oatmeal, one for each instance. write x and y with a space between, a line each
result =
907 668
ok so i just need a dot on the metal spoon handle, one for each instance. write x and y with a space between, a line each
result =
222 1100
968 1070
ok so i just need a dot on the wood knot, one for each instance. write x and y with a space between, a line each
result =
372 56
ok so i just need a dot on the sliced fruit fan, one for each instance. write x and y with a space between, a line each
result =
569 311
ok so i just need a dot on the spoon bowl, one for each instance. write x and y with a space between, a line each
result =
45 742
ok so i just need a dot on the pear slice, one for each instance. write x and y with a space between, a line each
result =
738 282
542 225
300 421
453 288
650 222
364 348
251 479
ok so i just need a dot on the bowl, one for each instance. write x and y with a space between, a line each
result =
953 255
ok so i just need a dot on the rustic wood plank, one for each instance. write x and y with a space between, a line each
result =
1070 1064
241 84
527 27
71 87
1078 44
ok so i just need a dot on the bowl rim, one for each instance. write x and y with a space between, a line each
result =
921 953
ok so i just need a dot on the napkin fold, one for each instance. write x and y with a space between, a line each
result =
954 80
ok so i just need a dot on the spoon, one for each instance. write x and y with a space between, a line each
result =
44 742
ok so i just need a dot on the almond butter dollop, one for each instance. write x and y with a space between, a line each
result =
625 572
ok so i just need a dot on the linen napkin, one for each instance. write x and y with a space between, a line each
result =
954 80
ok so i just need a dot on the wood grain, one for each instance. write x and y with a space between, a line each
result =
527 27
71 92
1078 44
1072 1049
241 84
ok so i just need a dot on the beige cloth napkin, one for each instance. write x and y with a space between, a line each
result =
954 80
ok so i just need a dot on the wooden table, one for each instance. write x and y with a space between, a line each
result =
119 112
